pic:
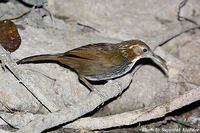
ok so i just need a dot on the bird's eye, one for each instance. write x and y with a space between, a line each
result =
144 50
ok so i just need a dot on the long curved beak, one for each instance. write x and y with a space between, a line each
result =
159 61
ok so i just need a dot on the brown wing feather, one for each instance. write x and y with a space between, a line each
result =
93 58
101 52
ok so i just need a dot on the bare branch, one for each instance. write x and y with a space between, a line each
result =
133 117
25 80
122 119
110 90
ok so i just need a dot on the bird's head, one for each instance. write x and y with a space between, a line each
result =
134 50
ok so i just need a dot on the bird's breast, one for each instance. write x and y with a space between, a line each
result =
114 72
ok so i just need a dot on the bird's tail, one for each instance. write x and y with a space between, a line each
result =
39 58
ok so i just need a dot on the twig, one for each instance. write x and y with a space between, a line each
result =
89 27
174 36
8 123
45 75
26 81
110 90
18 17
136 116
181 18
117 120
173 31
186 27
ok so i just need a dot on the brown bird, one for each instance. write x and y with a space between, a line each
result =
101 61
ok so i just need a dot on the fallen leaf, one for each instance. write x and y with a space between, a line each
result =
9 36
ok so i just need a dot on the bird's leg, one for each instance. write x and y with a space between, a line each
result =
88 84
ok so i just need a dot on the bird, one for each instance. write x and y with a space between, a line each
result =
101 61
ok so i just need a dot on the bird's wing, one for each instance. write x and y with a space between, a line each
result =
94 59
101 53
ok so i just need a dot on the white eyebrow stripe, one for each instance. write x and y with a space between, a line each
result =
131 47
